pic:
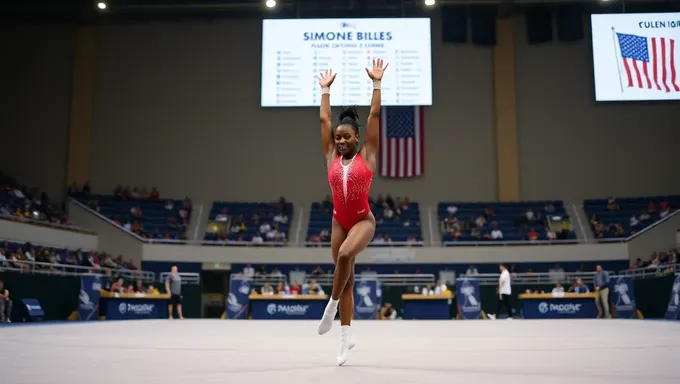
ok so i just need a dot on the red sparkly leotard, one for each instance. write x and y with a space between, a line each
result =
350 185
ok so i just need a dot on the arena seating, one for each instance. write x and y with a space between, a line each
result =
403 229
158 219
250 223
14 198
605 214
510 217
17 252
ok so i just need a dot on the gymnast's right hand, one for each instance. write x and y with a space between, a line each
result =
327 78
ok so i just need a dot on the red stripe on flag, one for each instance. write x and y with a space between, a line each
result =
630 77
637 74
644 69
656 63
673 82
663 64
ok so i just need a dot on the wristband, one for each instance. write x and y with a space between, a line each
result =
326 90
376 84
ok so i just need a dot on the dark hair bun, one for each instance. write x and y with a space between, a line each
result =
349 113
349 116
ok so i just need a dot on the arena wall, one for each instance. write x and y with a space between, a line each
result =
477 255
177 106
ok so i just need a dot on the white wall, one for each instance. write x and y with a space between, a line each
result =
35 77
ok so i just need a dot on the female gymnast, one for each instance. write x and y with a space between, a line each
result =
350 174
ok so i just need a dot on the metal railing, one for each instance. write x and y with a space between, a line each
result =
41 268
327 279
188 278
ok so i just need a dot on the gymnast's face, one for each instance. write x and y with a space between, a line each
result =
346 139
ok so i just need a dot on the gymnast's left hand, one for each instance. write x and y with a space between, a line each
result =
377 71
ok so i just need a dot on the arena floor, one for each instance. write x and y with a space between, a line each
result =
214 351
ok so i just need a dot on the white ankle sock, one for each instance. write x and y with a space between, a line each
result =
345 329
333 304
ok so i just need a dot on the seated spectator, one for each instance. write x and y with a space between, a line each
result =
222 216
559 289
612 205
118 286
472 271
440 288
266 289
579 287
318 271
295 288
314 288
532 235
152 290
496 233
387 312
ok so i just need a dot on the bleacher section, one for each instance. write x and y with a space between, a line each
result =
15 253
157 221
604 218
18 200
400 230
240 222
511 220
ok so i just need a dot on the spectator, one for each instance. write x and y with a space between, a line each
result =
295 288
496 233
601 282
118 286
266 289
612 205
532 235
222 216
579 287
559 289
248 271
5 304
472 271
387 312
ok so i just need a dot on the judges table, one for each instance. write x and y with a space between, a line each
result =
422 307
132 306
567 306
287 307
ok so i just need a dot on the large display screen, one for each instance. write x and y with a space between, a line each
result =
635 56
295 52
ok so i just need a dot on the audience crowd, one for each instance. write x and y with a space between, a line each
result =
21 202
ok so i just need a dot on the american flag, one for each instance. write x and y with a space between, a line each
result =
645 69
401 142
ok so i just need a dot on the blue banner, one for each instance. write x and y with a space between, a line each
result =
88 301
286 308
367 299
673 309
237 300
623 297
559 308
136 309
34 309
468 298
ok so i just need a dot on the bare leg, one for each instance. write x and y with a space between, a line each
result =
179 311
357 240
347 299
169 311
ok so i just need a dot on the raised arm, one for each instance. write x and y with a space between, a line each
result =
325 81
373 124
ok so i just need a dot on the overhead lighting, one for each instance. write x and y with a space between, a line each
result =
101 5
270 3
429 3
